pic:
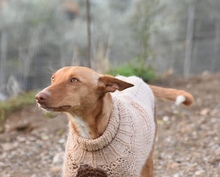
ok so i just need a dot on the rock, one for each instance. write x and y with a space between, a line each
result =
7 146
176 175
204 112
200 172
56 169
172 165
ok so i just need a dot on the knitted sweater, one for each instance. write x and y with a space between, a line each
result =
125 145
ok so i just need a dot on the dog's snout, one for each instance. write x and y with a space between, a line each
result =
42 97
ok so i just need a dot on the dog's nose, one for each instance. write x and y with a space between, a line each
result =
42 97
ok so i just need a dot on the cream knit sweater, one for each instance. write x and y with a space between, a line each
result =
127 141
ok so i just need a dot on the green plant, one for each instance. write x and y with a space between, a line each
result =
14 104
147 73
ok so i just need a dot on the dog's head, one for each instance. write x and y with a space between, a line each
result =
77 88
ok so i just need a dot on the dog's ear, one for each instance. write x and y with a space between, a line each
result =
108 83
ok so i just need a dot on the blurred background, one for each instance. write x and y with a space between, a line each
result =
166 42
180 38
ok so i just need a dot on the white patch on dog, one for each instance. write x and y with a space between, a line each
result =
81 127
180 99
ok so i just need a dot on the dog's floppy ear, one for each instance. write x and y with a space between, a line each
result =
108 83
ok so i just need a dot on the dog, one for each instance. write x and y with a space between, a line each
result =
112 121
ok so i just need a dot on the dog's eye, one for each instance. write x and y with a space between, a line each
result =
74 79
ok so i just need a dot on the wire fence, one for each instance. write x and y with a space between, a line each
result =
204 55
18 74
27 64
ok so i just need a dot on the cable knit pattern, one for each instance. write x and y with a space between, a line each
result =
123 148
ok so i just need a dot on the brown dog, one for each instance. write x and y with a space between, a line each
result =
109 132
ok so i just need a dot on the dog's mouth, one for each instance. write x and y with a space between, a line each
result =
58 109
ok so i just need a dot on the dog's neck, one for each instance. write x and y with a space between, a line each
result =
90 123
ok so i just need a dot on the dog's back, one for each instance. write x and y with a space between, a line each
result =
140 93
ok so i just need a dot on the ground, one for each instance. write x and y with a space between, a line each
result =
188 139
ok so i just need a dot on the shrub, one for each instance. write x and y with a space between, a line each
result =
14 104
144 72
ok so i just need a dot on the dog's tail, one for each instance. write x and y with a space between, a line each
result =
179 96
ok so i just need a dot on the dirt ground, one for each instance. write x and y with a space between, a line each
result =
188 141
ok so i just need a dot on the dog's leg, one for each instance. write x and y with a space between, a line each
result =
148 168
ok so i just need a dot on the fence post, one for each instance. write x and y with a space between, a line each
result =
216 47
89 31
189 40
3 57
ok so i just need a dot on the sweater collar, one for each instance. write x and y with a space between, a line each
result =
108 135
